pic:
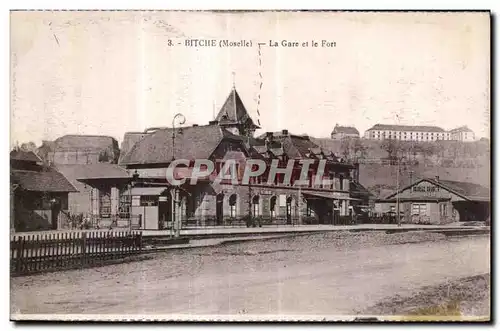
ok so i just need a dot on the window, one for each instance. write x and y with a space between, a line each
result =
443 210
105 202
419 209
272 206
232 205
255 206
309 209
124 205
149 200
290 207
64 202
341 180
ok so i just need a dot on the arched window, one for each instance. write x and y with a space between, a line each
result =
290 202
309 210
272 206
256 206
219 208
232 205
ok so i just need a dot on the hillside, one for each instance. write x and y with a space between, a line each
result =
461 161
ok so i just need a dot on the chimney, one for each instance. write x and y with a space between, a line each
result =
284 132
269 135
195 125
213 122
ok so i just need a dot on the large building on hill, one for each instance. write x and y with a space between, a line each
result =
340 132
462 133
146 155
418 133
406 132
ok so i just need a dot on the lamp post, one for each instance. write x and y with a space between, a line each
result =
176 226
54 208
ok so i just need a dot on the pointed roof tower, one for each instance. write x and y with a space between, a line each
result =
234 114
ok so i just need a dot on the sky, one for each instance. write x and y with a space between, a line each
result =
107 73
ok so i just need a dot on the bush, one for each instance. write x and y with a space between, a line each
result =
309 220
253 221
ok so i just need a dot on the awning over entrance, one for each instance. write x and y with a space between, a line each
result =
147 190
481 199
327 195
319 195
415 199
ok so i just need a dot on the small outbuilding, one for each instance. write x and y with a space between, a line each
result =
436 201
39 194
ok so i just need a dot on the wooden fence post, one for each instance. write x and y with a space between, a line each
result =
84 248
140 241
28 244
36 248
20 254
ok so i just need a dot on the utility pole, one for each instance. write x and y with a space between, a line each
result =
300 205
249 190
397 192
250 201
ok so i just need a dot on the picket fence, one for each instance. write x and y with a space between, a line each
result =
68 250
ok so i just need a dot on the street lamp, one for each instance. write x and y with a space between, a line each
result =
182 121
175 192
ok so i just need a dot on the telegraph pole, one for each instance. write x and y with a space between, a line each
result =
249 190
397 192
250 201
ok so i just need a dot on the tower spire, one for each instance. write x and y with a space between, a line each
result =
234 81
234 99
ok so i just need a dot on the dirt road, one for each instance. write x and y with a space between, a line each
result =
322 274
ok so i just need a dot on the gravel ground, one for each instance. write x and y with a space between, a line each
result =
326 274
465 297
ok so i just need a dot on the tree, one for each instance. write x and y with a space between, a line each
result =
352 148
391 147
359 149
345 147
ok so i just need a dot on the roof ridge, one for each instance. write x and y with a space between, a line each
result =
84 135
204 139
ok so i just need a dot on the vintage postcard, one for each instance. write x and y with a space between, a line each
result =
250 166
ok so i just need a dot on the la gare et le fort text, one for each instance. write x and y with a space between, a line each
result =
293 43
248 43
